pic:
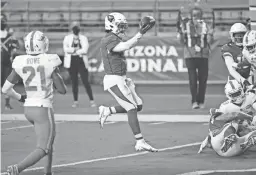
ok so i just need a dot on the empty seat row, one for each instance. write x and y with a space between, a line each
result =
98 17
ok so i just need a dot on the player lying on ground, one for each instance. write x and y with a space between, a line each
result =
39 72
115 80
230 134
239 98
232 55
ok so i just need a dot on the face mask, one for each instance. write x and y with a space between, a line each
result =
76 30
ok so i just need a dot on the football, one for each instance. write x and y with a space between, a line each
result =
147 20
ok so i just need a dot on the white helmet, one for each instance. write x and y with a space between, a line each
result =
234 91
116 23
249 41
36 42
237 32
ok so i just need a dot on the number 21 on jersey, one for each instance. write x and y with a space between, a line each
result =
32 74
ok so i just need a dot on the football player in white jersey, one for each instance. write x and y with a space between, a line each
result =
227 137
238 100
39 72
249 50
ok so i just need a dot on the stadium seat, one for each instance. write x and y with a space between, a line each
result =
168 18
132 17
75 16
90 18
103 15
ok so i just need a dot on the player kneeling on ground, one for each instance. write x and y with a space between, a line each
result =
115 80
239 98
230 134
39 72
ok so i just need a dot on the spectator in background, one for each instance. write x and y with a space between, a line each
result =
9 45
248 23
196 38
75 46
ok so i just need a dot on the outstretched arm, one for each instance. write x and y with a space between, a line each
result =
146 24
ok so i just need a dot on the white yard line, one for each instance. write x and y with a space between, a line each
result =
157 123
118 118
107 123
217 171
6 122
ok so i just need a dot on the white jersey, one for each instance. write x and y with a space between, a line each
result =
246 106
36 72
251 58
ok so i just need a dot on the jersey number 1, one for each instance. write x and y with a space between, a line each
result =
32 75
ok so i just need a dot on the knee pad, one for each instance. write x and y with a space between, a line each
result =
139 107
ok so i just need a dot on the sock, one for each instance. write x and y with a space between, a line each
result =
117 109
138 136
134 123
7 101
48 163
31 159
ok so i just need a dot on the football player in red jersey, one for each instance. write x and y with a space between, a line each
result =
115 80
232 55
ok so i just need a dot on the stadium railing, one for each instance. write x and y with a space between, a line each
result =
55 16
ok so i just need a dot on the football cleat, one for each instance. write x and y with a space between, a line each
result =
195 105
142 145
8 107
93 104
104 112
75 104
228 142
251 141
12 170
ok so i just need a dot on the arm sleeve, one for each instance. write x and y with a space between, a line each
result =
112 42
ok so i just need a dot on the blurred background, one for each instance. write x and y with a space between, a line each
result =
158 58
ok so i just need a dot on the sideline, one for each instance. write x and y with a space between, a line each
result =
117 118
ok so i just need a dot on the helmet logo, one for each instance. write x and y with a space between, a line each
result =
110 18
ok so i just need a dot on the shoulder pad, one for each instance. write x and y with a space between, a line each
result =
54 59
226 47
17 61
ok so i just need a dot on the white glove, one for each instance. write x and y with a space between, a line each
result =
203 144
